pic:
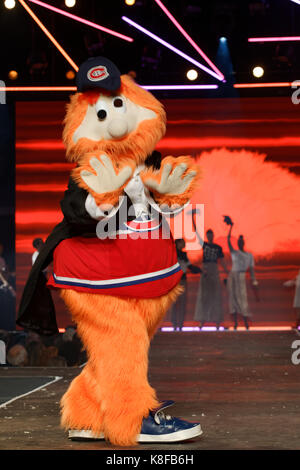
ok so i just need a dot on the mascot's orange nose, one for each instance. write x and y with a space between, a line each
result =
117 128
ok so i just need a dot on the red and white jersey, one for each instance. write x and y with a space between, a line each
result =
139 259
133 267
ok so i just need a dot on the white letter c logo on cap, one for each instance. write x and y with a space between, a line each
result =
95 74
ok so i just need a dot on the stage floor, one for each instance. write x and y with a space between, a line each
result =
241 386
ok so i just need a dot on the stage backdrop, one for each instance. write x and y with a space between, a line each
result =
248 150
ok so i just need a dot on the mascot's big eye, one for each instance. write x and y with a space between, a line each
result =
101 114
101 109
119 104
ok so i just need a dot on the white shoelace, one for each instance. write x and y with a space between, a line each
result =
160 415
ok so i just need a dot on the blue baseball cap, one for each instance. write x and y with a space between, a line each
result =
98 72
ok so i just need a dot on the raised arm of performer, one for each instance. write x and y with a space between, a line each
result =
229 238
200 239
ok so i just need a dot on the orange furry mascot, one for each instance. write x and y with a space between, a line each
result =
119 284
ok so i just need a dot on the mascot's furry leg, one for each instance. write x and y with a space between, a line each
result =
112 393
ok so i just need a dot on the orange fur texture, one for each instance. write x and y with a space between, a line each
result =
136 146
112 393
173 199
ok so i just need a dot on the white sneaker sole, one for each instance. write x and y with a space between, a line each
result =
172 437
186 434
78 434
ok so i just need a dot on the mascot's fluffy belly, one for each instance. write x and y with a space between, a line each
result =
143 264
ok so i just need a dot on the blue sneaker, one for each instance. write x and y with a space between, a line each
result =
160 427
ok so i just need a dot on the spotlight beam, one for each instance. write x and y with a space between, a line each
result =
49 35
172 48
190 40
275 39
82 20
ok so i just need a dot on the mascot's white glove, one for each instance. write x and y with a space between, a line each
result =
106 179
172 182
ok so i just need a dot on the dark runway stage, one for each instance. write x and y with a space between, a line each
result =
11 388
241 386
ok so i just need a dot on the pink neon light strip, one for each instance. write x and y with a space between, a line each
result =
180 87
190 40
172 48
275 39
82 20
240 328
193 328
